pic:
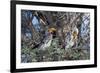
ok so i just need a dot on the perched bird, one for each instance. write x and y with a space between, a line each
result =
48 39
72 39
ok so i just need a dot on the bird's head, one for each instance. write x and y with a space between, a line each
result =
52 30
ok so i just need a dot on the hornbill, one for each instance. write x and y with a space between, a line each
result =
49 38
74 36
